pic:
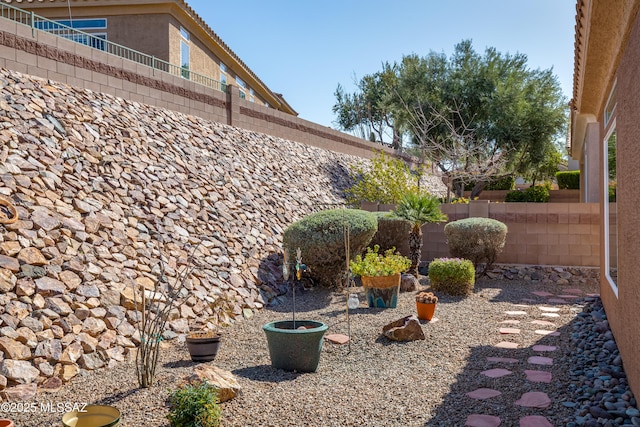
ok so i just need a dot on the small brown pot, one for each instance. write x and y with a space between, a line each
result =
6 423
203 347
426 310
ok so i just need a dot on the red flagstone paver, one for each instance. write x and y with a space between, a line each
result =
544 348
542 293
534 399
483 393
511 321
557 301
540 360
337 338
509 330
550 314
543 323
535 421
496 372
507 344
502 360
568 296
516 313
538 376
477 420
572 291
548 333
594 295
550 309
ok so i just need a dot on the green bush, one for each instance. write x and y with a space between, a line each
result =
392 233
453 276
568 180
479 240
533 194
386 180
612 192
320 237
195 406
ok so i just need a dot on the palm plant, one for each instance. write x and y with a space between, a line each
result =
419 208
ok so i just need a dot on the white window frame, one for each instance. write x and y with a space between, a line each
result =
605 153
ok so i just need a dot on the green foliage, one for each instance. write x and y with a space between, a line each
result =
195 406
533 194
419 208
379 264
392 233
453 276
320 237
568 180
385 181
479 240
612 192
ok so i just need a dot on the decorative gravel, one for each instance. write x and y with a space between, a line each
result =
377 382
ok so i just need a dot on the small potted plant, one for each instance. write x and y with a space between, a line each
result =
195 405
426 305
380 273
203 345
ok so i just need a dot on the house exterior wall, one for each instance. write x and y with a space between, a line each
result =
622 310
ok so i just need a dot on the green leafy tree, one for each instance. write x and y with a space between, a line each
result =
418 208
386 180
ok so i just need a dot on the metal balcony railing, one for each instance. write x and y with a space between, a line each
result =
97 41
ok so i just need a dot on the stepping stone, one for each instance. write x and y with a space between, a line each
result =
502 360
557 301
496 372
534 399
483 393
540 360
544 348
535 421
594 295
337 338
543 323
543 294
507 344
573 291
550 314
433 320
549 333
569 296
521 305
477 420
549 309
538 376
511 321
516 313
509 331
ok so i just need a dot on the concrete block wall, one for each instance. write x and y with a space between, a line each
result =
44 55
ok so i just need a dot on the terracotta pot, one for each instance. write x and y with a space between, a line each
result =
426 310
6 423
382 291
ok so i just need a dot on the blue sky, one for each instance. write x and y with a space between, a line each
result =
304 48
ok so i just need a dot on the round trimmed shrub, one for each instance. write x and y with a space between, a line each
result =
479 240
392 232
568 180
320 237
453 276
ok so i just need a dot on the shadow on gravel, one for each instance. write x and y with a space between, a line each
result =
306 300
180 364
265 373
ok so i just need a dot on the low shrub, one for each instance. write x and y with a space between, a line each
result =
533 194
320 237
392 233
453 276
479 240
568 180
612 192
195 406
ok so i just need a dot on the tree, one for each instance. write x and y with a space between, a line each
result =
418 208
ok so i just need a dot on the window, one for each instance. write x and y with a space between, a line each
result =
185 54
223 77
252 95
610 155
65 28
242 85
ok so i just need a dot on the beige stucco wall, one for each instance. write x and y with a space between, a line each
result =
622 311
144 33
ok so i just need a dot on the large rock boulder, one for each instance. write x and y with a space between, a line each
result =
405 329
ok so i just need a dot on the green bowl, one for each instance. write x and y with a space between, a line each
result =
92 416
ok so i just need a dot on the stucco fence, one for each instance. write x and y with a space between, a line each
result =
566 234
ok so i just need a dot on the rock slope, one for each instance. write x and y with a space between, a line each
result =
103 187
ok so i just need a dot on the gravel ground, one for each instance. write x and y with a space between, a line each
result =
374 382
